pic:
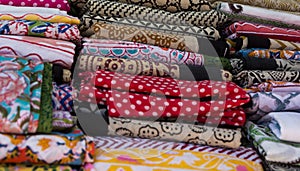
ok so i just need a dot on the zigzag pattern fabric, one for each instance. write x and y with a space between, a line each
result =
88 21
115 9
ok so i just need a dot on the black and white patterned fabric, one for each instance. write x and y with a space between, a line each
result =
87 21
212 18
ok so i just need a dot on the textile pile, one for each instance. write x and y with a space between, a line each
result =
38 125
149 85
264 48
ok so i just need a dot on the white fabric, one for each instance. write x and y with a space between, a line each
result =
264 13
36 48
285 125
279 152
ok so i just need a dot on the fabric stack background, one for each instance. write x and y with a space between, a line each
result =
38 126
264 57
148 67
193 85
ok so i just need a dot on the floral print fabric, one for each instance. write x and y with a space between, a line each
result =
22 167
136 159
121 142
72 149
18 115
60 31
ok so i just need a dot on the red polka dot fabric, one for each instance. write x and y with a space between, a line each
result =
130 96
59 4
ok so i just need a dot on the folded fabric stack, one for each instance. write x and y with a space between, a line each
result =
37 47
159 71
265 47
144 154
156 85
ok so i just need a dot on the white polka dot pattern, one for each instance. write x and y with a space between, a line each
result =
60 4
175 100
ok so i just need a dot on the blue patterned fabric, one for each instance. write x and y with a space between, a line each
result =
62 97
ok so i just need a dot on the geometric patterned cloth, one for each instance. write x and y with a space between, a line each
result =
212 18
62 97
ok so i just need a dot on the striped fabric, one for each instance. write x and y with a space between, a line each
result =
124 142
38 49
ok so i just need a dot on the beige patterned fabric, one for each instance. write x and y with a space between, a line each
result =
212 18
128 66
87 21
173 5
190 133
135 34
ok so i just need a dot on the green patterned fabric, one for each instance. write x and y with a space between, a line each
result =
223 63
45 123
269 146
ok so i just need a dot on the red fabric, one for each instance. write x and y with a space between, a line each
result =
245 28
170 86
148 97
60 4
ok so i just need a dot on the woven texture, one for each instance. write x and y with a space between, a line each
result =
114 9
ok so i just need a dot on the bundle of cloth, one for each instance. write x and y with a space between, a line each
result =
38 126
145 154
264 40
158 72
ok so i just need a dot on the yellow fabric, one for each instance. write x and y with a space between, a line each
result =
134 159
35 17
